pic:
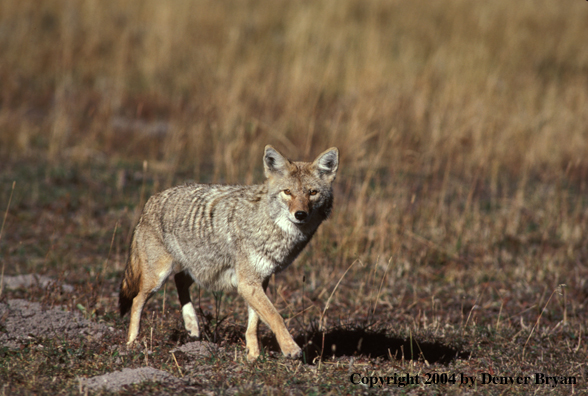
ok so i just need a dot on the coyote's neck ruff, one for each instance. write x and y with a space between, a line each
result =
229 237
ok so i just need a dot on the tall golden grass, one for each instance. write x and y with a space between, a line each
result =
460 123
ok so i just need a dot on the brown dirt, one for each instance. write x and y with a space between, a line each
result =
116 380
25 281
23 321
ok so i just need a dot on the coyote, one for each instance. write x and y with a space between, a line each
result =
229 237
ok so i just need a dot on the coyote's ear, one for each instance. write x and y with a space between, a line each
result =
274 162
327 164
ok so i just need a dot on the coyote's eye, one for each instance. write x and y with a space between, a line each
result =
313 192
287 192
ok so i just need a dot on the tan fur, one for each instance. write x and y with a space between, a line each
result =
227 238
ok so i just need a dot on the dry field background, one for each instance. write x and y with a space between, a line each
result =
461 202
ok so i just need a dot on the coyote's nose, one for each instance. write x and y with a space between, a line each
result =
300 215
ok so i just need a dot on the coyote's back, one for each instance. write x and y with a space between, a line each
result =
229 237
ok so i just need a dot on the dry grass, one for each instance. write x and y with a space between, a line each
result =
463 128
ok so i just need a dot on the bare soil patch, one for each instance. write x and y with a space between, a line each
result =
23 321
116 380
28 280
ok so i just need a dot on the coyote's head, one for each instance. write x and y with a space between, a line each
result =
300 192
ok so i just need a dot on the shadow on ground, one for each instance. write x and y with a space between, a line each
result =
373 344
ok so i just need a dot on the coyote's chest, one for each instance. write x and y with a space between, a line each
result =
276 255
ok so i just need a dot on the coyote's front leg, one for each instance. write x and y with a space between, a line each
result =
251 335
261 307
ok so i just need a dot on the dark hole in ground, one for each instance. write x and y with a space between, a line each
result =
373 344
340 342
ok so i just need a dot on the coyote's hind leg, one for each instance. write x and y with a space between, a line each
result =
183 283
150 282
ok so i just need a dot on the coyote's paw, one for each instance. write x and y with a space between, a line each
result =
251 358
292 351
130 345
190 320
193 332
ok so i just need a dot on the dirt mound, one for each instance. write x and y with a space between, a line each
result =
198 348
22 320
116 380
25 281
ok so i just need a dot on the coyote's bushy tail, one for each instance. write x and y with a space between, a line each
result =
131 283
